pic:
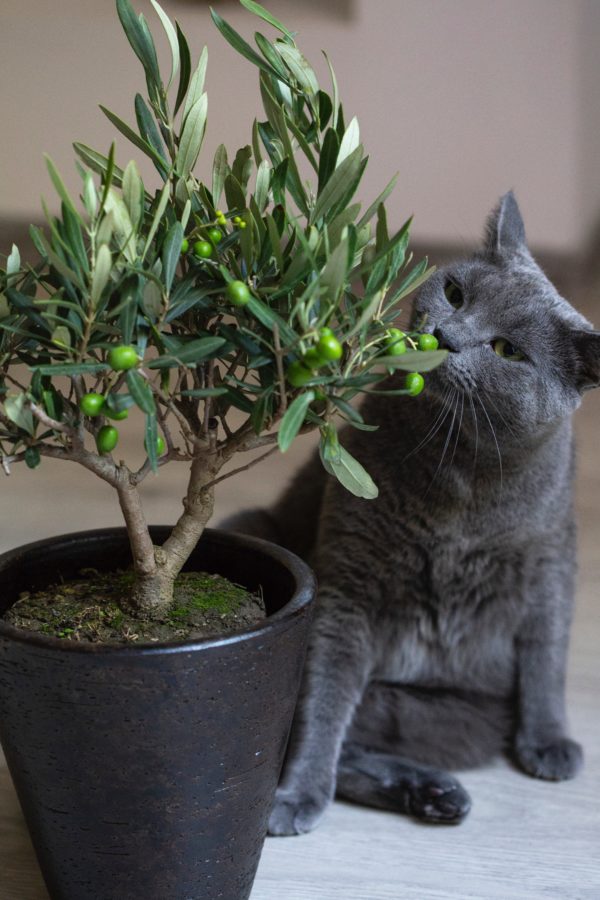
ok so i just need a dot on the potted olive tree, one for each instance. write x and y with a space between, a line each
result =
234 314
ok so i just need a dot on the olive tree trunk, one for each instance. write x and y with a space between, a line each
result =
156 568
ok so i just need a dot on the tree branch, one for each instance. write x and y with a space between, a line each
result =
245 468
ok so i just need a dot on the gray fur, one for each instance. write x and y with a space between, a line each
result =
441 632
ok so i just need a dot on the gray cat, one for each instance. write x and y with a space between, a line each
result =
442 624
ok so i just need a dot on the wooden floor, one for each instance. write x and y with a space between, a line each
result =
524 839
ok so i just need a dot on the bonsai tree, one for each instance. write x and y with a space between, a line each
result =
233 314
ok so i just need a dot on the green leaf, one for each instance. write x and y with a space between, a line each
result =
414 279
71 369
300 69
346 176
158 214
329 445
150 440
335 272
275 241
190 354
101 274
270 318
61 337
263 182
138 38
206 392
150 133
90 197
192 137
272 56
260 11
350 141
171 253
196 87
123 225
379 200
186 68
293 419
325 109
141 392
352 475
152 300
239 44
60 187
135 139
236 199
17 410
13 263
98 163
414 360
335 97
133 192
32 457
220 171
171 37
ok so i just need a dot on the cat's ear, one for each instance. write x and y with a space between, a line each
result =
587 357
505 231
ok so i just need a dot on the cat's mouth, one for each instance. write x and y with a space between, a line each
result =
451 372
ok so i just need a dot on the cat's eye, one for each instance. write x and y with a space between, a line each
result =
507 350
453 293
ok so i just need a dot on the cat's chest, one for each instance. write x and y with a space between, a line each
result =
454 621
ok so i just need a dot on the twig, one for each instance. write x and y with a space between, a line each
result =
245 468
144 470
48 421
280 373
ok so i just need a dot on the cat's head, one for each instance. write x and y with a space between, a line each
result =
513 340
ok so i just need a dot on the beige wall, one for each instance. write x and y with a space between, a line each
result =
465 98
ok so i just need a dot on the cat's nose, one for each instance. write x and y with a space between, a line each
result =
445 341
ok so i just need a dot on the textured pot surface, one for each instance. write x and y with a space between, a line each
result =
148 772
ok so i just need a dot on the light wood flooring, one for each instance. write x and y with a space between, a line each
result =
524 839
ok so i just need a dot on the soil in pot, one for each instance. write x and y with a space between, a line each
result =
87 609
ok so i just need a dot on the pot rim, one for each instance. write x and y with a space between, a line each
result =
305 585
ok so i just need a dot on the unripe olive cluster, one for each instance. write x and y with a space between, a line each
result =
92 404
328 349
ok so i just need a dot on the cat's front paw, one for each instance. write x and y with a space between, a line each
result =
296 812
553 761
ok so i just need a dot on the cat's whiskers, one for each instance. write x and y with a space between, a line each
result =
489 421
438 422
476 423
453 402
460 421
500 416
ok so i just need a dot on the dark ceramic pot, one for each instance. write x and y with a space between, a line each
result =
148 773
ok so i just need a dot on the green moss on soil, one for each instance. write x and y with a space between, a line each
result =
87 609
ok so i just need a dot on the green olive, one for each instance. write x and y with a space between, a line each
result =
215 235
238 292
107 439
313 359
298 375
122 358
329 347
116 415
203 249
428 342
414 383
91 404
185 245
395 345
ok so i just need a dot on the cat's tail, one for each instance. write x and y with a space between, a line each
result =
293 521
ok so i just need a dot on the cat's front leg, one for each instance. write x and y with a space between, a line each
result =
337 670
542 746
